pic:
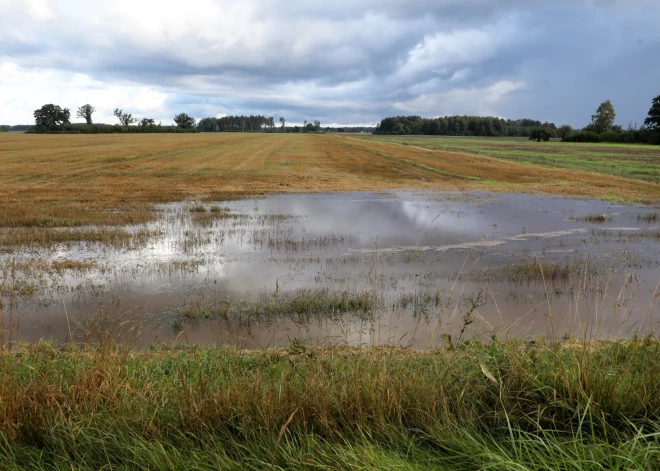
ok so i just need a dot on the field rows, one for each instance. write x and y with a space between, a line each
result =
66 180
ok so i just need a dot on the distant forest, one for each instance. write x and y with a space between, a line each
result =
462 126
601 128
18 127
236 123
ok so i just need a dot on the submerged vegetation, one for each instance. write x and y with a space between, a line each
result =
649 218
594 218
302 307
41 237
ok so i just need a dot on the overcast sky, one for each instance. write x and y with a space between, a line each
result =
341 61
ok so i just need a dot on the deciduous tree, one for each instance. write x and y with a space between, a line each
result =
539 134
564 132
604 118
51 116
125 119
85 112
184 121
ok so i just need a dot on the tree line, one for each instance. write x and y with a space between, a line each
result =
253 124
52 118
601 128
15 127
462 126
236 124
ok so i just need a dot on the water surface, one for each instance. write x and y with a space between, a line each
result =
424 259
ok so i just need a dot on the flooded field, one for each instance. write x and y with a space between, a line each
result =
411 269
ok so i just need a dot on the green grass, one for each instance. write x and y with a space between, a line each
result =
638 161
510 405
301 307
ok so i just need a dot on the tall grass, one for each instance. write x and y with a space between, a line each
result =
497 405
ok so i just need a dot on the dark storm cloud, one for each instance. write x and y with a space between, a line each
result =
347 61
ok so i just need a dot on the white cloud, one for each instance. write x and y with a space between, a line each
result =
472 101
38 10
25 90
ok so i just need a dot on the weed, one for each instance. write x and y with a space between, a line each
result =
648 218
594 218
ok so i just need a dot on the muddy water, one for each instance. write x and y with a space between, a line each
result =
431 263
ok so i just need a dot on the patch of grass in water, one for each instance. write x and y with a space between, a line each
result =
648 218
204 217
79 265
526 272
40 237
594 218
302 307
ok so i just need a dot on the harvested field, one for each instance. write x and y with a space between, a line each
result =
73 180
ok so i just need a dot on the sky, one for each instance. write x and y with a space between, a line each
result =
344 62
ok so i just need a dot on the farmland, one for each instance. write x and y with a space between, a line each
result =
641 162
303 301
54 181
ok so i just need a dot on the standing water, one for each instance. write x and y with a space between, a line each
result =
354 268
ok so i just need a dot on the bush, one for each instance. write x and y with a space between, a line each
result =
584 136
631 136
109 129
611 136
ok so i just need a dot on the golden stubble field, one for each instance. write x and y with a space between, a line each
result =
71 180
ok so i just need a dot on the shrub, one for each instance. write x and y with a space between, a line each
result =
109 129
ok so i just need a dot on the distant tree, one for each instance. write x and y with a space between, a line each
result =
317 125
125 119
146 122
539 134
4 129
309 127
208 125
184 121
652 122
51 116
85 112
305 126
283 122
604 118
564 132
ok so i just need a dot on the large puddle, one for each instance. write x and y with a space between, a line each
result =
412 269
